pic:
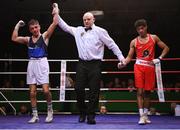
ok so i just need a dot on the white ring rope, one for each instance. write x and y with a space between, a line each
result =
75 60
104 72
55 89
101 101
72 89
53 60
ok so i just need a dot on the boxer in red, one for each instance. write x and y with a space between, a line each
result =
144 72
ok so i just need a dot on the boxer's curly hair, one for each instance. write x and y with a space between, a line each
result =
140 22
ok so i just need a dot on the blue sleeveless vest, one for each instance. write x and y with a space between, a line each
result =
38 49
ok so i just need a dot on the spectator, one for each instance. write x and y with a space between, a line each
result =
131 85
109 84
101 84
117 83
22 84
102 106
23 110
69 81
152 111
103 109
177 85
7 84
123 84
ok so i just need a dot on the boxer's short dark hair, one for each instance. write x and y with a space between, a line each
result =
33 21
140 22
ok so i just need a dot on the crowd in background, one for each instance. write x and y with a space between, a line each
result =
114 83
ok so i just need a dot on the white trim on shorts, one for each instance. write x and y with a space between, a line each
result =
144 62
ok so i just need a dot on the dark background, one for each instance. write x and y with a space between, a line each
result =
163 17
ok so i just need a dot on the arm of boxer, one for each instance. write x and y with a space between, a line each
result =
19 24
47 34
129 56
121 64
131 52
162 45
15 37
62 24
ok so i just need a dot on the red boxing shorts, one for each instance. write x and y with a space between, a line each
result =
144 76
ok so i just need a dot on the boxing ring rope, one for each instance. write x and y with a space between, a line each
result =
101 101
105 72
71 89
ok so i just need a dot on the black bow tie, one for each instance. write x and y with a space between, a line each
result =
86 29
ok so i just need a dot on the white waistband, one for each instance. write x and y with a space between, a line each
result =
144 62
32 58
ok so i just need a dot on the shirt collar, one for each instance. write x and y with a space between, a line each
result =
90 28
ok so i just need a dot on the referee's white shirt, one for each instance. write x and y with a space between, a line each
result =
90 44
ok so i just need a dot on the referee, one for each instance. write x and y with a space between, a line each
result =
90 41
